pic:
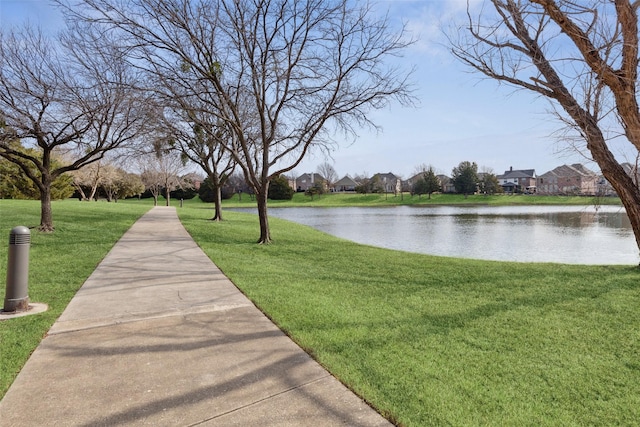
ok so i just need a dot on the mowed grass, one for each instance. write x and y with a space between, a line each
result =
355 199
426 340
59 263
440 341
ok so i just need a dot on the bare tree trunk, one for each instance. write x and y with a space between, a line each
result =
334 63
214 177
630 198
623 183
217 202
94 188
603 68
79 189
628 192
265 233
46 215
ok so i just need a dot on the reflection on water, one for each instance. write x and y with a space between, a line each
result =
564 234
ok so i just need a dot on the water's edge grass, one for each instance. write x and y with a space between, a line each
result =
425 340
443 341
405 199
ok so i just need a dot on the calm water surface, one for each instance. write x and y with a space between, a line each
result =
564 234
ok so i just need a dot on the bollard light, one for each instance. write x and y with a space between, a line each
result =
17 295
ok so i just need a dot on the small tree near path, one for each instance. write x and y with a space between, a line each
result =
161 172
582 57
200 142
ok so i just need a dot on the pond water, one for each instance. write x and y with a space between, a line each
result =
563 234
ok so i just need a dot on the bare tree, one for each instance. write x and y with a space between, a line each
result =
152 181
116 183
421 168
162 171
283 75
328 172
88 178
583 57
199 138
63 96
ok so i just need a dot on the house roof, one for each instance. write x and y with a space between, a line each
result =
313 177
575 169
522 173
386 176
345 181
416 177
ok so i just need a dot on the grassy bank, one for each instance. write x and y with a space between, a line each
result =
59 263
354 199
440 341
426 340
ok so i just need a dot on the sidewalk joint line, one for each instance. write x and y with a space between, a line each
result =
260 400
108 322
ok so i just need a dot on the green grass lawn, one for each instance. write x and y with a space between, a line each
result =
426 340
59 263
441 341
355 199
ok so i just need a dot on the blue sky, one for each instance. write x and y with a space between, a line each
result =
460 115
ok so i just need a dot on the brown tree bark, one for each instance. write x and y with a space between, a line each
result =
216 183
55 107
46 214
281 78
603 66
217 215
265 232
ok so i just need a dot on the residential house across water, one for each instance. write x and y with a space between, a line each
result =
573 179
518 181
345 184
307 181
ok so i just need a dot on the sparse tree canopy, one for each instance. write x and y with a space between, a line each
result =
583 57
71 96
161 171
87 180
195 132
328 172
489 184
282 75
117 183
203 144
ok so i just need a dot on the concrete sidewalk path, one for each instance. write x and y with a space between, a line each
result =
159 336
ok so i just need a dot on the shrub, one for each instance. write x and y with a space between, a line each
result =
279 189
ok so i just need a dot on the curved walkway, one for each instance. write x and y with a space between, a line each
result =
157 335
